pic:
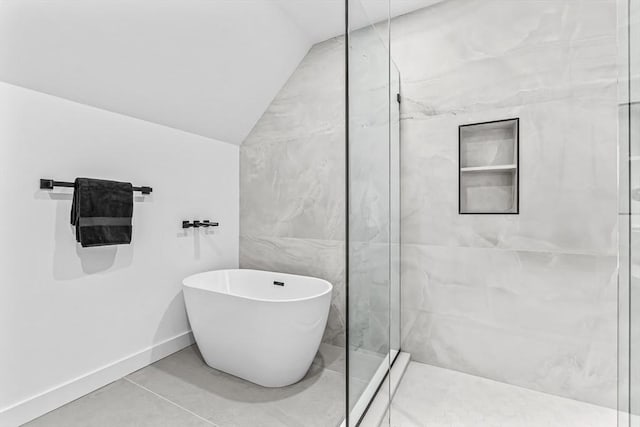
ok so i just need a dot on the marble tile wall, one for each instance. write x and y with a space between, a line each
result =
369 192
292 180
528 299
292 185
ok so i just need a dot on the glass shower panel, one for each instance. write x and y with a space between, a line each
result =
633 134
629 279
634 288
369 235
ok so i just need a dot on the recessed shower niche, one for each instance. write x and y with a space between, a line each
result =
488 160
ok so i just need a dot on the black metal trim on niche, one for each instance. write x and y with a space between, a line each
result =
49 184
517 148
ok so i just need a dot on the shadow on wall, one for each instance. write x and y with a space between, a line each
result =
196 234
166 330
68 252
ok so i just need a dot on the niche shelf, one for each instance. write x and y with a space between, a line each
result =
489 167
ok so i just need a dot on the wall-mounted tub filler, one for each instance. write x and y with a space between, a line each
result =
261 326
197 224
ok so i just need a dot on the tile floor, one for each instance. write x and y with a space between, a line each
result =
434 397
182 391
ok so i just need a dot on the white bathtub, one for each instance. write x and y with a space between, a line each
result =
260 326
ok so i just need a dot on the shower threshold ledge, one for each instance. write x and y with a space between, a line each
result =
375 399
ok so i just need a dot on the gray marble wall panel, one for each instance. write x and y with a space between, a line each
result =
528 299
369 193
292 180
292 184
536 319
567 170
308 257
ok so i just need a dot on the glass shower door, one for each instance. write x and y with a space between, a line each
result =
372 256
629 279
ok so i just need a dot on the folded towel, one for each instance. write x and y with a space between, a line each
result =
101 212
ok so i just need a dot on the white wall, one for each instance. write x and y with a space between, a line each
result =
209 67
66 311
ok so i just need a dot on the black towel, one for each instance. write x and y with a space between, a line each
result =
101 212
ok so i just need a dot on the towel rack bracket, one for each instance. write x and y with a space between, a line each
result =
46 184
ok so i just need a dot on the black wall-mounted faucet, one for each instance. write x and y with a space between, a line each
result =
197 224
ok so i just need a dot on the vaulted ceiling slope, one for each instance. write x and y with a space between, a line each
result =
209 67
323 19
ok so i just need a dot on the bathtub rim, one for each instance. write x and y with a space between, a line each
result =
329 285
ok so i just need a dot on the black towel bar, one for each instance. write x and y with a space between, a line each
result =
48 184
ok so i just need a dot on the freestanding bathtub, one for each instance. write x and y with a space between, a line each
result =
260 326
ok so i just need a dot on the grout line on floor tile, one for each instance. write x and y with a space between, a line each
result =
171 402
326 368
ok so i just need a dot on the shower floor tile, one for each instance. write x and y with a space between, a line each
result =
437 397
181 390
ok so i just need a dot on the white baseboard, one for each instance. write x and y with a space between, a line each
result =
62 394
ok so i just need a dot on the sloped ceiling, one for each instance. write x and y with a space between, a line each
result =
209 67
323 19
